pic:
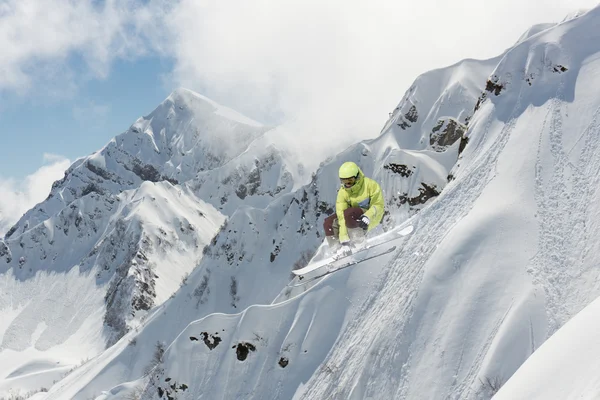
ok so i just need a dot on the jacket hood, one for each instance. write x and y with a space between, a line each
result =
357 188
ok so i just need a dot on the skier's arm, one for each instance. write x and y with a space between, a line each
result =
341 205
377 203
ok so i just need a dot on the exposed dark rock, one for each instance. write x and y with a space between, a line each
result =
324 208
529 79
91 188
243 349
172 181
146 172
202 291
404 125
171 390
463 143
493 86
410 117
233 290
11 231
453 131
283 362
254 181
241 192
132 286
559 68
401 169
275 253
60 182
211 341
98 171
4 251
426 192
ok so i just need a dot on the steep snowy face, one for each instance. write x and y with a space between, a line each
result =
125 226
422 140
247 263
255 179
421 119
502 258
534 30
78 281
506 254
183 136
271 230
565 366
189 133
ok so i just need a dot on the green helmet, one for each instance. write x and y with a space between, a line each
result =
348 170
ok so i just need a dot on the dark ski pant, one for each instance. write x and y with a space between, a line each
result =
351 215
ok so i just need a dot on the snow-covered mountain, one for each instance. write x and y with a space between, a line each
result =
500 157
249 261
129 222
118 235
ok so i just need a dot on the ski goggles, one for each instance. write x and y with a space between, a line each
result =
348 182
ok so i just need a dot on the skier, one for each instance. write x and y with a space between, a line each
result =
358 209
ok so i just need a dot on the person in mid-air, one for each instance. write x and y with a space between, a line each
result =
358 209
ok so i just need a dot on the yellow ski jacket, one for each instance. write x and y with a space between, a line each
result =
366 194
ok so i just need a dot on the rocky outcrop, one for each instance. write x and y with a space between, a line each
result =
446 132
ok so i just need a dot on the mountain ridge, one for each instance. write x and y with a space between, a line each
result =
436 318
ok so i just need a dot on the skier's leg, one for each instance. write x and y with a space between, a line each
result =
332 229
330 224
352 215
358 237
333 243
357 234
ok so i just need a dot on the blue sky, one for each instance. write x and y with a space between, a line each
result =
81 124
75 74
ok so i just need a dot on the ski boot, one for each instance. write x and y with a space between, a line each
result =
358 238
333 246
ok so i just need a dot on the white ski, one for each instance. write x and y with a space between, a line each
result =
334 268
337 257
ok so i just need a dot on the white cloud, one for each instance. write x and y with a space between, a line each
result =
19 196
334 69
43 42
329 69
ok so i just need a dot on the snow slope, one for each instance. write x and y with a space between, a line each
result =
116 237
488 275
505 255
273 224
565 367
499 259
249 262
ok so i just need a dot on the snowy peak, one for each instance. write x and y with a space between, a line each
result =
418 148
502 258
189 133
183 97
534 30
502 166
185 135
435 95
576 14
271 229
537 68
